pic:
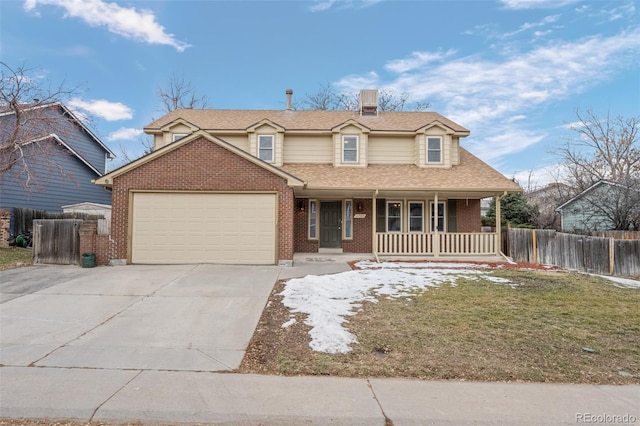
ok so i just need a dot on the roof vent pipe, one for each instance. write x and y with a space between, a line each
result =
289 93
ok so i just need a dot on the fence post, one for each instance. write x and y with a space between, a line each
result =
535 246
612 255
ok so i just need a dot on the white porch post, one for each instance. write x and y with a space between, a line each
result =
498 226
436 237
374 231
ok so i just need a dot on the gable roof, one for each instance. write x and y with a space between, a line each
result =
107 179
291 120
586 191
71 150
4 112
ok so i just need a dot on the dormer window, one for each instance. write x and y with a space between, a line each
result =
350 149
265 148
434 149
177 136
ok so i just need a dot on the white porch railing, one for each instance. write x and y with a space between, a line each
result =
441 243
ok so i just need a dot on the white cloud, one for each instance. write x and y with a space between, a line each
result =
621 12
529 25
124 133
416 60
509 140
126 22
353 83
322 5
483 93
536 4
484 89
541 177
110 111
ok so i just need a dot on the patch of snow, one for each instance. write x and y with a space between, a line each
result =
368 264
289 323
624 282
329 300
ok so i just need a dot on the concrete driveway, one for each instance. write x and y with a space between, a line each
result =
173 317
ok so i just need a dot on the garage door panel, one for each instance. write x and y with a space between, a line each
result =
204 228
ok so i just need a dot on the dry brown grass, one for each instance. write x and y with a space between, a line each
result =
15 257
554 327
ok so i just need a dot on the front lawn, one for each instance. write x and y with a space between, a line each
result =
15 257
498 325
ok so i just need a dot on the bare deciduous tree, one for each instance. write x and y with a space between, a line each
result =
327 98
605 149
29 129
178 94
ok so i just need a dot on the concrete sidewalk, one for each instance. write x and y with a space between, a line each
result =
134 344
170 397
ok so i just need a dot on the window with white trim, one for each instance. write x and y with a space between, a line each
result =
434 149
437 217
349 149
313 219
265 148
348 219
416 216
177 136
394 216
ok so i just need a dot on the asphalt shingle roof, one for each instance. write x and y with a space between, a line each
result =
471 175
218 119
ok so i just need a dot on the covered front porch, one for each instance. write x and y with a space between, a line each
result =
439 238
397 224
438 244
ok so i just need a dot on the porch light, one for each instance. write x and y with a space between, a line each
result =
301 205
359 206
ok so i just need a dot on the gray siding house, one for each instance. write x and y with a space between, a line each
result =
74 157
599 207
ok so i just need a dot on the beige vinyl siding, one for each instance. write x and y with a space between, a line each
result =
240 141
455 150
308 149
391 150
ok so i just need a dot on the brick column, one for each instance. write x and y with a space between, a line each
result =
88 231
5 227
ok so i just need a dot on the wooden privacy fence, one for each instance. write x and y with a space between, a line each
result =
597 255
56 241
23 218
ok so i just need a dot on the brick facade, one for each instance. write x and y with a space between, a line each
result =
468 216
200 165
468 220
362 241
5 227
302 244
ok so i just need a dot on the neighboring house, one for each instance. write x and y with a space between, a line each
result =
547 199
93 209
255 187
74 157
598 207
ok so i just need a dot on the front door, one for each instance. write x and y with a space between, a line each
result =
330 224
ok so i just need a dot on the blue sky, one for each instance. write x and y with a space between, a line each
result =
511 71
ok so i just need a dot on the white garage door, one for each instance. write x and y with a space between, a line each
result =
203 228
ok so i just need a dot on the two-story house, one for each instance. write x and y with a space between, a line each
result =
61 158
256 186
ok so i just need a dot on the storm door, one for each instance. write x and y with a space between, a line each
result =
330 224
